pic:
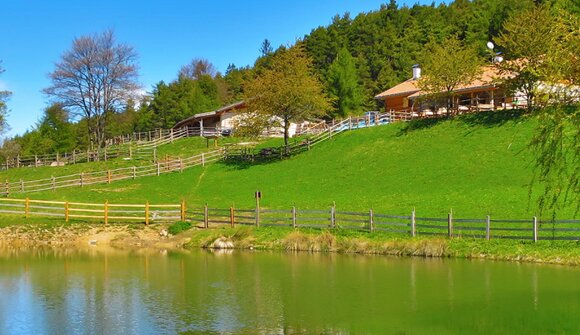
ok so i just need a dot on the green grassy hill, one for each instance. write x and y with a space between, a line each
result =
474 164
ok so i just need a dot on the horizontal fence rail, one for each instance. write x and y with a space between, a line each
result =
410 225
100 212
109 176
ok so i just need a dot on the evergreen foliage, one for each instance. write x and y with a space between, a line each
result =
343 85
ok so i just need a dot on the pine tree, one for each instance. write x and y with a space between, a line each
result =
343 85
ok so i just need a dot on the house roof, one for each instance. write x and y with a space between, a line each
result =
405 88
199 116
410 89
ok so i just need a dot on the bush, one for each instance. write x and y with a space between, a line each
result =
178 227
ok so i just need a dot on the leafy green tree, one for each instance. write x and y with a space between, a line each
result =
343 85
542 46
55 130
289 90
447 66
539 47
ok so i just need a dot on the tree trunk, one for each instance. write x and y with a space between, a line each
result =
286 134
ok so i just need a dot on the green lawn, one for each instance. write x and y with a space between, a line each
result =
475 165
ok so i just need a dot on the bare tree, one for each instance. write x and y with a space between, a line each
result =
4 95
95 78
196 68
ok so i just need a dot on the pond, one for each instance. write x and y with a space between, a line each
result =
199 292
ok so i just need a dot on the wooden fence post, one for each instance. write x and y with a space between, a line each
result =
182 210
82 179
26 208
154 154
108 176
106 211
202 159
413 224
171 135
333 216
147 213
7 188
66 212
205 217
487 227
158 168
134 172
53 183
350 123
232 216
257 211
35 161
293 216
21 185
535 232
18 161
450 224
371 220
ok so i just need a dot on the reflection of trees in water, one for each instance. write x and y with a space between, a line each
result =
244 292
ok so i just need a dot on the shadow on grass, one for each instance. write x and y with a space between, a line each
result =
484 119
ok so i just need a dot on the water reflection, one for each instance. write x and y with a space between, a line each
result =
152 292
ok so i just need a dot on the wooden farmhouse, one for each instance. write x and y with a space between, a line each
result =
406 100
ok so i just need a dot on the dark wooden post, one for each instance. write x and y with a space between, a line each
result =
205 217
413 224
535 229
450 224
333 216
293 216
257 211
232 217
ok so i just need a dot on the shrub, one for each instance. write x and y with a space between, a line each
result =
178 227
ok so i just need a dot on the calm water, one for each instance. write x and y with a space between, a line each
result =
106 292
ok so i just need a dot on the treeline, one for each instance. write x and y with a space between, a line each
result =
355 58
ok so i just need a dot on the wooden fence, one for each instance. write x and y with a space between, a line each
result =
103 212
108 176
411 225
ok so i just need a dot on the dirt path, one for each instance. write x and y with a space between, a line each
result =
80 236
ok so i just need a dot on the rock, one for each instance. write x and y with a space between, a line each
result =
57 164
222 243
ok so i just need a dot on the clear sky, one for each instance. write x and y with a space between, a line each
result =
166 34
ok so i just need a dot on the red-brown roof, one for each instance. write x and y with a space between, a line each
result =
410 87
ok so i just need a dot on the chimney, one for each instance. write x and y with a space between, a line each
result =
416 72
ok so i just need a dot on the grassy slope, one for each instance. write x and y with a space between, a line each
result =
180 148
476 165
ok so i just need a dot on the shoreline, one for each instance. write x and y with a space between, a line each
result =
124 237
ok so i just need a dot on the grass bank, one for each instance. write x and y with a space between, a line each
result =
566 253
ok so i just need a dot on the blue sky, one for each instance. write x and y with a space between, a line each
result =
166 36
